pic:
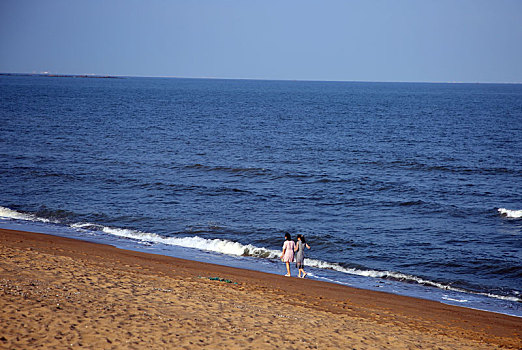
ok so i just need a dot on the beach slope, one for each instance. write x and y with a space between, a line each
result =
62 293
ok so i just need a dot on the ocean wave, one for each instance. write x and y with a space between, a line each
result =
13 214
446 168
397 276
214 245
87 226
229 169
510 213
411 203
448 298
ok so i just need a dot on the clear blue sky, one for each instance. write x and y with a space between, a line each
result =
363 40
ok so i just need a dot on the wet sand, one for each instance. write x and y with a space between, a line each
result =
59 293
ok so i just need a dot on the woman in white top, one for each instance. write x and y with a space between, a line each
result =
288 252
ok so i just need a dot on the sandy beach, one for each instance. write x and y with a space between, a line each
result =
59 293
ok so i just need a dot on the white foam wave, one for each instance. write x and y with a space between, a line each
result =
510 213
374 273
401 277
214 245
7 213
445 297
87 226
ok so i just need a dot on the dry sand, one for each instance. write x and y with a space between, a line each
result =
58 293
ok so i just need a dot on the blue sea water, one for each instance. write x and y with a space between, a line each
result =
409 188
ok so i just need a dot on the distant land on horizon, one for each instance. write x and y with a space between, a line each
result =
96 76
63 75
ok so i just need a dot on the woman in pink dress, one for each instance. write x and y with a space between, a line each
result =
288 252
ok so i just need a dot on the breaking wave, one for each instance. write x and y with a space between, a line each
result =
222 246
13 214
510 213
397 276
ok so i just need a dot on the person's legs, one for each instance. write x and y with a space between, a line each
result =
288 268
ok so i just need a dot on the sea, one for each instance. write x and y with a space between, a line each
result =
408 188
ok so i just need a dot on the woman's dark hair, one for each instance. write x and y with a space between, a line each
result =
302 238
288 237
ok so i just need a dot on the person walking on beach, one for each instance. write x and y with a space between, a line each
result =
288 252
299 257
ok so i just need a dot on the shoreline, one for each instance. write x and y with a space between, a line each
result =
52 285
429 291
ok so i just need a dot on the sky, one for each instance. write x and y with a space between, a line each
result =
348 40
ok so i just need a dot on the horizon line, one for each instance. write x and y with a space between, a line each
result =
50 74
